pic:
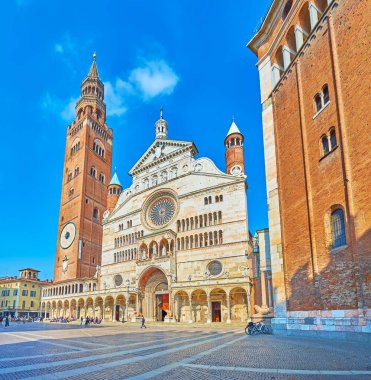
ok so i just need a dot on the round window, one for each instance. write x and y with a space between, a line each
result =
162 211
118 279
215 268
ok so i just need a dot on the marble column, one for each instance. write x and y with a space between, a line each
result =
228 308
209 315
190 309
264 289
114 313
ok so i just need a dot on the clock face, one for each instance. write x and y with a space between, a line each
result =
67 235
162 211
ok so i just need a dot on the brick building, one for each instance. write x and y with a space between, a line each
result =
86 174
314 80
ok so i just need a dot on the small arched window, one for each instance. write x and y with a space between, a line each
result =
92 171
101 178
318 102
206 201
95 213
286 9
326 95
325 145
77 171
338 228
333 141
72 190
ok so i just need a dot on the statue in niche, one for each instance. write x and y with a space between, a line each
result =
163 251
154 250
144 254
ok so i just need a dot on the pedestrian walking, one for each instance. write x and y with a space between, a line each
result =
81 320
86 321
143 321
6 321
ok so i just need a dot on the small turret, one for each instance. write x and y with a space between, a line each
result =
234 154
161 127
114 191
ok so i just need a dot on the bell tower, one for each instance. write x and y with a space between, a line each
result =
234 154
86 175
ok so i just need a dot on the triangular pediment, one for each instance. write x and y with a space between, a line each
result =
160 151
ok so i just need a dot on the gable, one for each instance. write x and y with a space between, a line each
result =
162 150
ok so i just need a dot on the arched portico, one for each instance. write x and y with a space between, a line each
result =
199 306
120 303
81 308
182 311
108 308
98 305
154 295
238 305
217 306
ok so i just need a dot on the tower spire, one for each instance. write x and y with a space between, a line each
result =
92 94
93 72
161 126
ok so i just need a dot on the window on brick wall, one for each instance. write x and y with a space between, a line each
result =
338 228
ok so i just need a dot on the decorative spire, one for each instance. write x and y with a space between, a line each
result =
93 73
161 126
115 180
233 128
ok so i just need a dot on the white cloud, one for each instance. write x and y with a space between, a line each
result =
150 79
52 105
154 78
115 95
68 112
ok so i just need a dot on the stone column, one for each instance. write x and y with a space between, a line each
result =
228 308
137 303
209 315
45 311
70 311
269 290
93 308
172 304
190 308
114 313
127 308
264 289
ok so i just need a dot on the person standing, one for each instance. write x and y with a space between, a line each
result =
81 320
143 321
86 321
7 321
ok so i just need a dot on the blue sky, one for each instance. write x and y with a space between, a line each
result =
188 56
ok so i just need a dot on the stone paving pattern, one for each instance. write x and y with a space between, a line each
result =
67 351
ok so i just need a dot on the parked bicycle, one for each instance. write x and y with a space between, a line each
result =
258 328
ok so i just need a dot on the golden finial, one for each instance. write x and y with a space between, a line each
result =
95 56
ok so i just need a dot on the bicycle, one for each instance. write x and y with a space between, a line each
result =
258 328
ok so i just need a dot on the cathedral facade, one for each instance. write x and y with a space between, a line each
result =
174 245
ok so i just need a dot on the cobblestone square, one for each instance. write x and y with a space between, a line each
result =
67 351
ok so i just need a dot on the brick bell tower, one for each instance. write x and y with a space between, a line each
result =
234 157
86 174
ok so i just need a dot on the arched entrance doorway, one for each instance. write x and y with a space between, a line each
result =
154 302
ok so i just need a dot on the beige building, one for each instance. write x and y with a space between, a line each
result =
21 296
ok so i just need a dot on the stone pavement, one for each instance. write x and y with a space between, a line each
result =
66 351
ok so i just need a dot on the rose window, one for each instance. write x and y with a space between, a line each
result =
118 280
162 211
215 268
